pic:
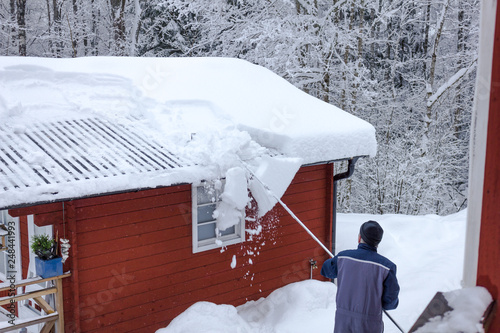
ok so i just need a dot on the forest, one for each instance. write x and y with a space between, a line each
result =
407 67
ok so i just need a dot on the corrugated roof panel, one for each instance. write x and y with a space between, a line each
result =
78 150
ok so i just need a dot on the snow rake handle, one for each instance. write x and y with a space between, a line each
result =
307 230
288 209
393 321
303 225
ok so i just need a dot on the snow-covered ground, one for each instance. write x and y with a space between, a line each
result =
428 251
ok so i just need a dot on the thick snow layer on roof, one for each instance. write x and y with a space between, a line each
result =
207 114
188 95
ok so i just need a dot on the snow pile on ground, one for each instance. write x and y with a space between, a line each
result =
298 307
209 318
428 251
284 310
468 304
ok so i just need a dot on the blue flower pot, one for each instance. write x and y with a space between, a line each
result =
48 268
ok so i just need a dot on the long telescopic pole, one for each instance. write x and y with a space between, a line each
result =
303 225
393 321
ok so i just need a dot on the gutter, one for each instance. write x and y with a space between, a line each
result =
336 178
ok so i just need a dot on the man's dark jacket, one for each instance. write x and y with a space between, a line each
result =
366 284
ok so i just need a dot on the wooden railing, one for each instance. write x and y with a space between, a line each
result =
54 317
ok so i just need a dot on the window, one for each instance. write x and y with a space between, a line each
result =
206 236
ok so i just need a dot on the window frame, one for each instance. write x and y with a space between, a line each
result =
220 240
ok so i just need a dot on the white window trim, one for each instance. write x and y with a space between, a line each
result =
200 246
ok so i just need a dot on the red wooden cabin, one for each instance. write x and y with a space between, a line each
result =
141 234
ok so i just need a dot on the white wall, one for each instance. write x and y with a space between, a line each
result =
478 140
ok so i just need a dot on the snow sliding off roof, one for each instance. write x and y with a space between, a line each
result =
104 119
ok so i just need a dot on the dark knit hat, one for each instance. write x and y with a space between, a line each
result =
371 232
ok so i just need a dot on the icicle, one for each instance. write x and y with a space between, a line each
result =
65 249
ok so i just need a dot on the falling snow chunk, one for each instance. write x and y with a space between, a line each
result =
273 175
235 191
233 262
255 231
231 209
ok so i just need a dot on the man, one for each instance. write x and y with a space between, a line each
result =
367 283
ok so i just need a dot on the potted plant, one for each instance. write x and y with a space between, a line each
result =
47 261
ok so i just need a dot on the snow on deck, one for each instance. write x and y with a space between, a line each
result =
86 126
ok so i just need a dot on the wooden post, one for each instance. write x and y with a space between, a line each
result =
59 306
